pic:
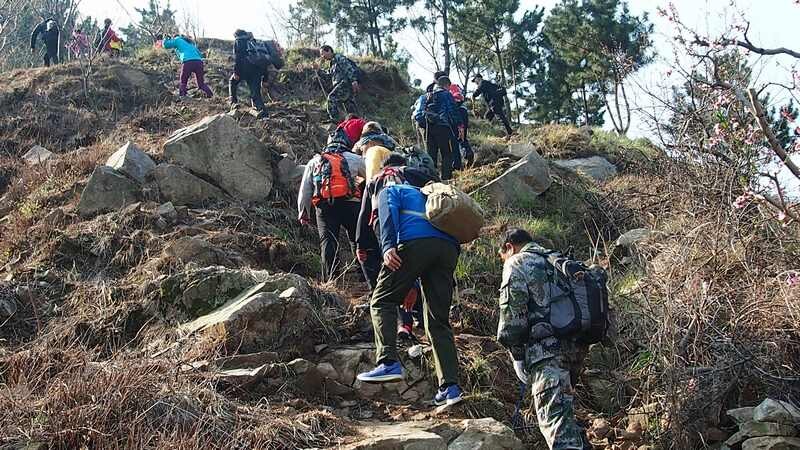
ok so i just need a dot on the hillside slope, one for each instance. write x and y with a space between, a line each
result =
201 326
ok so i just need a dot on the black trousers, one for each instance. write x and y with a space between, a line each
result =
440 140
254 83
331 218
497 108
50 55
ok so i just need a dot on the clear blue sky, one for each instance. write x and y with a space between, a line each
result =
771 20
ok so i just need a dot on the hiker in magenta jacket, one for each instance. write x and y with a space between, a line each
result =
191 63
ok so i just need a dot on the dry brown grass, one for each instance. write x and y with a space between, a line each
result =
66 398
714 318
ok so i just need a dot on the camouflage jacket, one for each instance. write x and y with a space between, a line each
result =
524 326
342 70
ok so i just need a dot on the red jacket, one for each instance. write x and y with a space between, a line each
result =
352 129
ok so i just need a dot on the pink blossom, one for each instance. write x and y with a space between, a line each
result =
793 278
743 200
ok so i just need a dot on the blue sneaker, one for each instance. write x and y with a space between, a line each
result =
448 396
383 373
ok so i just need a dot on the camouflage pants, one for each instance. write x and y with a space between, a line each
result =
553 398
342 93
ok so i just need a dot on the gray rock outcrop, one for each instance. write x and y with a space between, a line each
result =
595 167
184 189
219 150
107 190
130 160
522 182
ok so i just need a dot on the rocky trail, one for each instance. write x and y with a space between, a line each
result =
155 286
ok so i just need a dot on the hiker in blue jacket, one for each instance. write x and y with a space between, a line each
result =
437 115
191 63
414 249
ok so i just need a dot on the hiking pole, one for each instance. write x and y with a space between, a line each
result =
517 420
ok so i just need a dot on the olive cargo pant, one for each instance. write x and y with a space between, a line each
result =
432 260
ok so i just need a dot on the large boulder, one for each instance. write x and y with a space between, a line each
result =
521 150
196 292
290 173
758 429
184 189
524 181
398 436
486 434
199 252
131 161
261 319
777 411
772 443
595 167
107 190
37 155
218 149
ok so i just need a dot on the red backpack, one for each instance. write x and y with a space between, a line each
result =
332 179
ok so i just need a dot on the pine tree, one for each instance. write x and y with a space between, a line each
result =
356 19
587 50
154 20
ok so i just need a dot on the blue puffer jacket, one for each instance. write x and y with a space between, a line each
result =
401 213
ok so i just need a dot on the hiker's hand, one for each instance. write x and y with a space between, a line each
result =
392 260
461 133
305 221
356 87
361 255
410 300
519 368
235 77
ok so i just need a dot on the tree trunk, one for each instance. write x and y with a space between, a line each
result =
446 36
501 68
516 93
585 107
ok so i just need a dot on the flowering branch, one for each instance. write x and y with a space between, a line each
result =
747 44
758 112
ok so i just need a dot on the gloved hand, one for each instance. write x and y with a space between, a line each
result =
361 255
519 368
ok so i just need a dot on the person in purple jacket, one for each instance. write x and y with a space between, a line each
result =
191 64
414 249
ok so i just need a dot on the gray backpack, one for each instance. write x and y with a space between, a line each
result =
578 298
419 159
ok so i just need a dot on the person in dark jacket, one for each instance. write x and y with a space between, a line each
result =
243 70
51 35
436 114
495 99
414 249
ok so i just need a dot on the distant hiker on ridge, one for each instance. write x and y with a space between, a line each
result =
250 66
344 75
51 35
107 40
495 97
191 63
